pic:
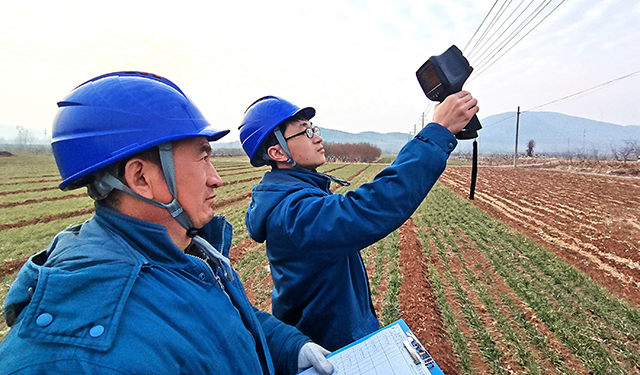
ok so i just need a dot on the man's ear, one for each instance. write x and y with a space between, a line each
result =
141 176
277 153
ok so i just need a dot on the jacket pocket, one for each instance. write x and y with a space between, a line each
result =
80 307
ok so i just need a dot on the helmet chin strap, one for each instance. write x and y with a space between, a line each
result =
105 181
283 143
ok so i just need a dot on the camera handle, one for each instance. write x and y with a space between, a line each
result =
470 130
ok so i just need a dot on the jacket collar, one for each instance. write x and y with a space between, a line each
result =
152 240
287 178
116 246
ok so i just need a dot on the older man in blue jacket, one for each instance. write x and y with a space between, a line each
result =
314 237
145 285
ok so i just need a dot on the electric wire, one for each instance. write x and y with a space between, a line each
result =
485 64
490 26
488 39
505 30
567 97
482 69
480 26
587 90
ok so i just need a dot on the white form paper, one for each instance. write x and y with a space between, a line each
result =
381 354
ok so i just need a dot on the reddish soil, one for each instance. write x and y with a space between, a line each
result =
238 251
218 205
40 200
590 220
12 266
418 304
47 218
34 190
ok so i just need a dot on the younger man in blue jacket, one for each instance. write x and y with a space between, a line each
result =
313 237
145 285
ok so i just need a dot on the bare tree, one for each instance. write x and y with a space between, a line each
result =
624 153
351 152
530 145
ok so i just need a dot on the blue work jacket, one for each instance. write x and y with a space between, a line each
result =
313 237
116 296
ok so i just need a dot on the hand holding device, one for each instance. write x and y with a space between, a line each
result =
443 75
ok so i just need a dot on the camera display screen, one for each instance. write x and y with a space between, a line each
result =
431 82
428 76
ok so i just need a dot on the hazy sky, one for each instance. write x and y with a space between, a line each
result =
354 61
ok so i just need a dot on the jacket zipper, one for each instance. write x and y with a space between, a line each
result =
215 274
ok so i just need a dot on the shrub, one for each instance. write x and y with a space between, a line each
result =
351 152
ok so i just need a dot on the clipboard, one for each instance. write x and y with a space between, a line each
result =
393 349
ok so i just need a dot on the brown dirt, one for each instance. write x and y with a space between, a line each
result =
218 205
238 251
418 303
35 190
606 167
591 221
37 181
40 200
335 169
47 218
12 266
258 290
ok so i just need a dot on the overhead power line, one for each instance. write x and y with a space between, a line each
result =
481 23
498 14
487 65
502 27
512 34
587 90
569 96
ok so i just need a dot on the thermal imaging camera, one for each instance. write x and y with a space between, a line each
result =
444 75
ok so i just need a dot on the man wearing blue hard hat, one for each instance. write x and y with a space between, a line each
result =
313 237
145 285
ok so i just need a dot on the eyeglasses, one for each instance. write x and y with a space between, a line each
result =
310 132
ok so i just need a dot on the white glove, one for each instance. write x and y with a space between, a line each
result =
314 355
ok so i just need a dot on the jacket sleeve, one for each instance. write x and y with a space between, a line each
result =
367 214
284 342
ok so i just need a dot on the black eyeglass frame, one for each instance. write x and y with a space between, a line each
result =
309 132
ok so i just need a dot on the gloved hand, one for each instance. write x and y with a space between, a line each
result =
314 355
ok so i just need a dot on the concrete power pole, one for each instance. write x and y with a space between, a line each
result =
515 154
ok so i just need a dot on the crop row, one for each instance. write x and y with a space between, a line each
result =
592 222
483 297
512 306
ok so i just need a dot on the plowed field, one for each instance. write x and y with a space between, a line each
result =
591 221
539 274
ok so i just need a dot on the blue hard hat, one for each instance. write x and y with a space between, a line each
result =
116 115
261 118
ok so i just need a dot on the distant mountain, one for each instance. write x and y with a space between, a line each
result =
389 143
553 133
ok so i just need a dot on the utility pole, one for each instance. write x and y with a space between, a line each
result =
515 154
